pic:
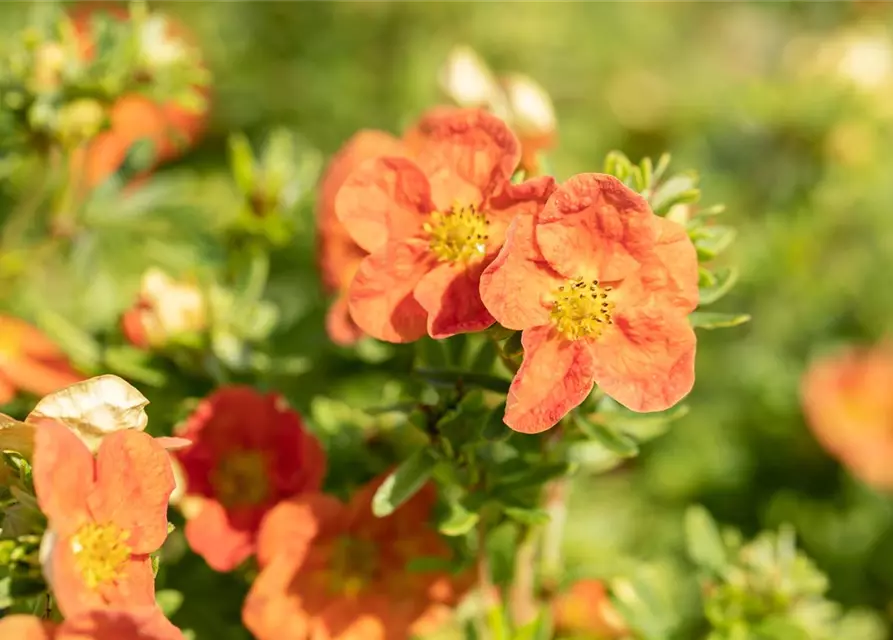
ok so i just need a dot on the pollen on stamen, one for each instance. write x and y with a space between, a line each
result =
458 235
578 315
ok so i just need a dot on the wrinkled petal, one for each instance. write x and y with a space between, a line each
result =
94 408
555 376
668 274
133 623
134 484
381 297
22 627
371 618
171 443
646 360
134 587
212 536
63 476
340 326
527 198
293 524
69 589
594 226
450 295
517 286
467 154
385 198
271 611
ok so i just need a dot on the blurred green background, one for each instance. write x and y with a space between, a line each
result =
786 110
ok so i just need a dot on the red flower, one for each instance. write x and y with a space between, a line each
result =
249 452
432 224
107 515
30 362
848 405
586 609
332 571
339 256
601 288
142 623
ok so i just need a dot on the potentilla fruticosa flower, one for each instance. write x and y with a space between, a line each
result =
601 288
138 623
338 255
333 570
433 223
30 362
249 451
105 514
849 407
165 310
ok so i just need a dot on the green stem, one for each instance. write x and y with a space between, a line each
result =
522 597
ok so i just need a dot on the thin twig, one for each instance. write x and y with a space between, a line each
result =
522 596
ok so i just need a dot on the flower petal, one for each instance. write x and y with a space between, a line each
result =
22 627
385 198
668 274
450 294
16 436
467 154
171 443
594 226
7 390
646 361
555 376
69 589
134 484
94 408
212 536
272 604
134 587
63 476
527 198
381 296
41 377
514 288
293 524
132 623
340 326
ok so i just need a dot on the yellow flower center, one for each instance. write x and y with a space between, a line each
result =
582 309
459 235
100 552
353 565
241 479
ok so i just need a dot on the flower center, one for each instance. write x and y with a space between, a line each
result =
354 564
241 479
459 235
582 309
100 552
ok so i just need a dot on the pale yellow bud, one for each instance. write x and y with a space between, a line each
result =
467 80
532 113
167 309
79 121
49 59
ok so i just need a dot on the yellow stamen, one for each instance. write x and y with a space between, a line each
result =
582 309
354 563
241 479
100 552
459 235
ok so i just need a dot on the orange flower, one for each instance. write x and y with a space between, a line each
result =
848 405
333 571
106 515
30 362
433 224
339 256
165 309
601 288
249 452
586 609
142 623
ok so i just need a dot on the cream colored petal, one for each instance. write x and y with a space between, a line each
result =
16 436
530 105
94 408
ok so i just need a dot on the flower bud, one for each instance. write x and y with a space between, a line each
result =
49 60
165 310
533 115
79 121
467 80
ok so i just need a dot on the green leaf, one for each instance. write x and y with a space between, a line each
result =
611 439
134 364
723 282
531 476
710 320
532 517
432 353
78 344
679 189
485 358
712 241
447 378
169 601
593 456
429 564
241 161
459 521
403 483
494 427
704 541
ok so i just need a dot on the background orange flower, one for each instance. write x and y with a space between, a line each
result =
106 515
30 362
249 451
338 255
333 570
848 404
143 623
585 609
600 287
